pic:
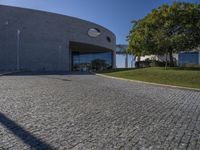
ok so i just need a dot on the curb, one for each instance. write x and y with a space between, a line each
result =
7 73
150 83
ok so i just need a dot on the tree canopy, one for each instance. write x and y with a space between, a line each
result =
166 30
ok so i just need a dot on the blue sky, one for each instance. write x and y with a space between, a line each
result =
115 15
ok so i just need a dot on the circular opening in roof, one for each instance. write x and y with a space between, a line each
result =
94 32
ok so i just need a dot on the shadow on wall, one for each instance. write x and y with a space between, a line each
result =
30 140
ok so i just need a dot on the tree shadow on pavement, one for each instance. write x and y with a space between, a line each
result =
30 140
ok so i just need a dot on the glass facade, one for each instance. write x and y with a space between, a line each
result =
188 58
121 61
91 61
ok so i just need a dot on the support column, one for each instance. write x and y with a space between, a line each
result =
114 59
126 60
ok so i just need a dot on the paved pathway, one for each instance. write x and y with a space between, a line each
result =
92 112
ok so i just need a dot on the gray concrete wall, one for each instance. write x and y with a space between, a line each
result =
44 38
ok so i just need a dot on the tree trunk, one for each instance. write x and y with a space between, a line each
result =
138 61
138 58
166 54
171 58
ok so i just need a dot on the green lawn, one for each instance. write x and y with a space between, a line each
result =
171 76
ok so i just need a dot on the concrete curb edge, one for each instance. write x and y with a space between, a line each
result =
8 73
150 83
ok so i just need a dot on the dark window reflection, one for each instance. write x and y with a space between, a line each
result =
91 61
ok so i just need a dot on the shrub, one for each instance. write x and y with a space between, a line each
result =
192 65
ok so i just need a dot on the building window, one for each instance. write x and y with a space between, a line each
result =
108 39
94 32
91 61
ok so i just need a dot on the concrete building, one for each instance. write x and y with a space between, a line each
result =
41 41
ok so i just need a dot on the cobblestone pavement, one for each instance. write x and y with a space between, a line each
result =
92 112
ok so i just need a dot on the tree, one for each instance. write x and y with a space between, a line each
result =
135 45
166 30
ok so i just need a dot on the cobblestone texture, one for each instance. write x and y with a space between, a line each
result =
91 112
